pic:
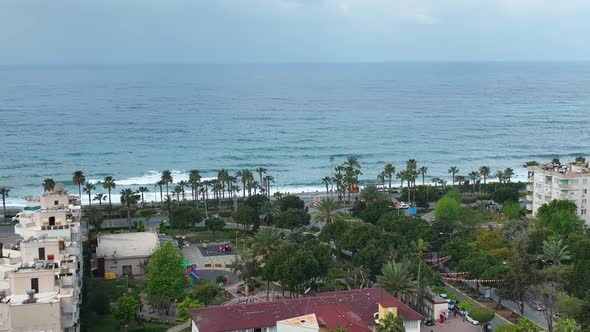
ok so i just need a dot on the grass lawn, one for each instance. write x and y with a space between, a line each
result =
113 289
108 323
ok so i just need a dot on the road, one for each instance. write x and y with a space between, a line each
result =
498 320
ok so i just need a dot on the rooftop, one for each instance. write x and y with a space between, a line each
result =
567 169
352 310
140 244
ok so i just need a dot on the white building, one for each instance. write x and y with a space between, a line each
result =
41 276
125 253
555 182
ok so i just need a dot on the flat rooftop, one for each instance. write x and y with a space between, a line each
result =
121 245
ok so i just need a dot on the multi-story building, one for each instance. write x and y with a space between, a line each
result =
358 310
40 288
555 182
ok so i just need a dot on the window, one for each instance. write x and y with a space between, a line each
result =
35 284
585 191
575 181
55 202
411 324
127 269
584 181
583 211
41 254
584 201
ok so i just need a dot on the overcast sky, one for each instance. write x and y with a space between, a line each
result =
235 31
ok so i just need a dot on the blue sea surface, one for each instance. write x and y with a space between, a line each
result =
132 121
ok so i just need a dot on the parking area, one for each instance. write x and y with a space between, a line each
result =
453 324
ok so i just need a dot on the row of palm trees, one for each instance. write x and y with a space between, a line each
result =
345 177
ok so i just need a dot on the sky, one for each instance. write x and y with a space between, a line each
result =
268 31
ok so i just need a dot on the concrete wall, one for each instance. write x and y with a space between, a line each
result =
30 250
20 281
35 317
136 269
48 201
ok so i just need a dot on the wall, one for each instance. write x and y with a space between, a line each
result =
111 266
48 201
30 250
35 317
20 281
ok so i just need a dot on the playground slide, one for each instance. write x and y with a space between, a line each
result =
194 275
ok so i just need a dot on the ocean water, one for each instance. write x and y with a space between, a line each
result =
132 121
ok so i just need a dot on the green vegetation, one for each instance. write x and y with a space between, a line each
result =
165 277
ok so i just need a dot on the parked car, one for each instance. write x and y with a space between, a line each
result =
452 304
428 322
471 320
460 311
444 297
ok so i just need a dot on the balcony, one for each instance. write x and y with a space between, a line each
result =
529 187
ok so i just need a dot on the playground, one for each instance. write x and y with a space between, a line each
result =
223 249
194 274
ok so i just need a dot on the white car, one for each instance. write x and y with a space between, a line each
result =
471 320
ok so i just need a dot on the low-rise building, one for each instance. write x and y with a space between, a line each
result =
125 253
356 310
555 182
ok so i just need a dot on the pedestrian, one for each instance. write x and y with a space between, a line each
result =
454 313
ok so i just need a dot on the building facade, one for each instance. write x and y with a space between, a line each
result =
556 182
42 273
125 253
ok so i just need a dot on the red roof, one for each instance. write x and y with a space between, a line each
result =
352 309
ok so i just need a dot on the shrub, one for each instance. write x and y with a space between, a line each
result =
483 315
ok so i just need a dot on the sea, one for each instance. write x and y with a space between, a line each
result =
297 120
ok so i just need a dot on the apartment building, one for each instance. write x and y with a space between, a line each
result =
356 310
41 275
555 181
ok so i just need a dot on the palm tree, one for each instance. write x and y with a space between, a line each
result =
161 184
391 323
508 174
4 192
99 197
528 164
453 170
108 183
555 251
143 190
166 178
203 191
327 211
243 176
194 178
48 185
128 198
389 171
436 181
423 170
78 178
266 242
261 171
177 190
326 180
555 162
88 188
401 175
473 176
371 194
245 267
268 180
351 162
397 279
182 185
484 171
500 175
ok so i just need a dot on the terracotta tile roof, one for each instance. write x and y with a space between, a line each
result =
352 309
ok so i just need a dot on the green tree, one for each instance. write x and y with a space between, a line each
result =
4 192
396 278
370 194
448 209
88 188
291 202
484 171
519 277
48 185
327 211
99 197
127 308
453 170
555 251
391 323
184 308
78 179
247 216
129 198
166 179
266 242
184 217
291 218
165 277
214 224
567 325
95 218
205 292
143 190
482 315
389 172
512 210
326 180
246 267
109 184
560 216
